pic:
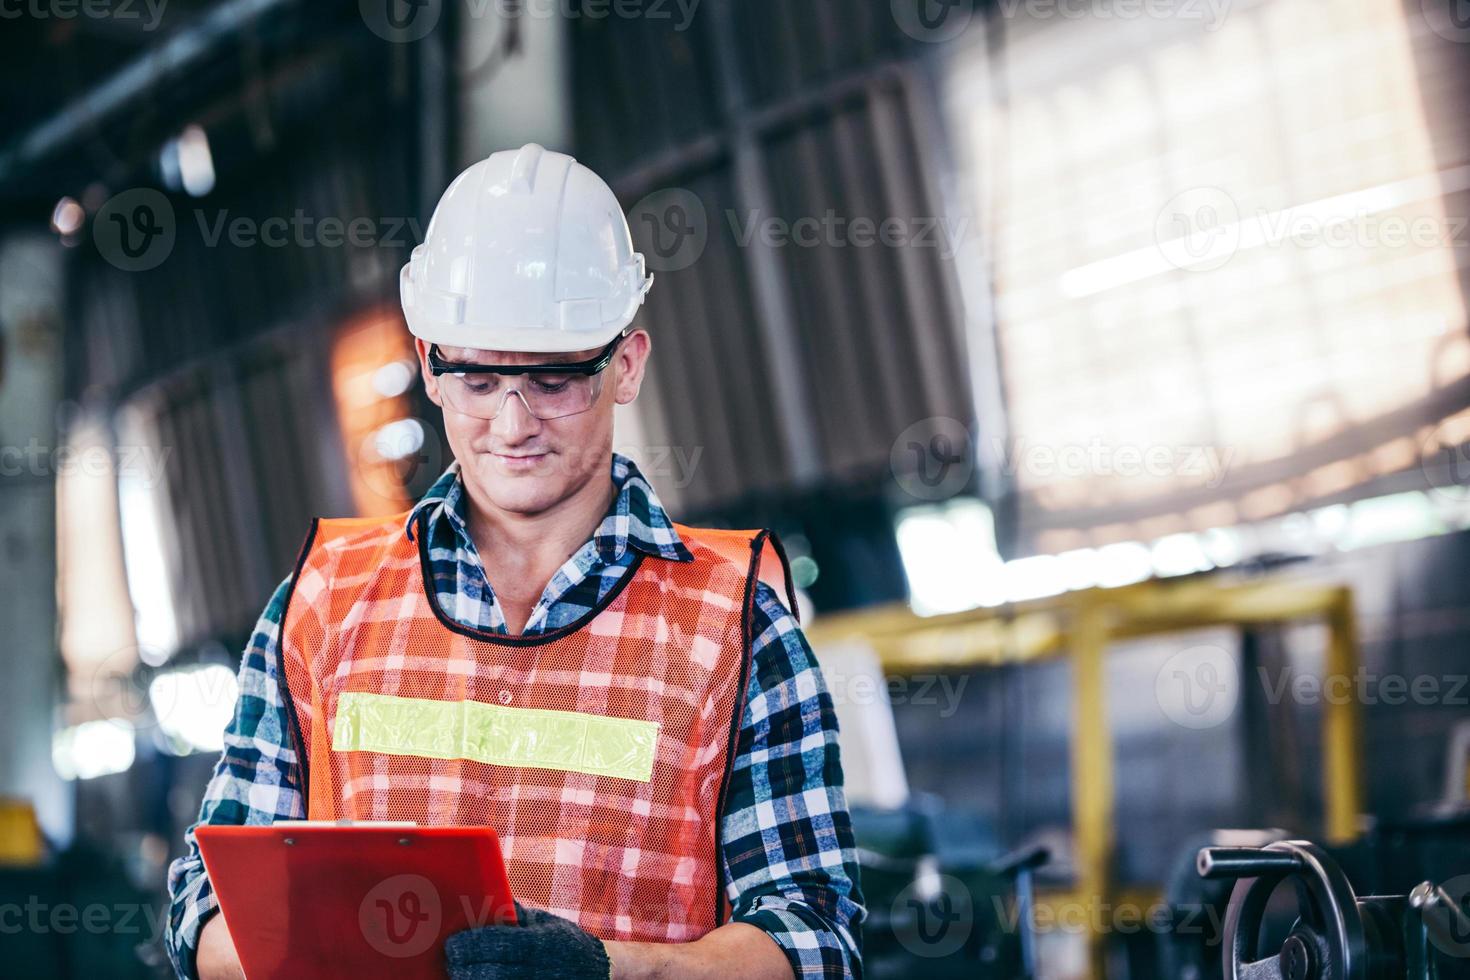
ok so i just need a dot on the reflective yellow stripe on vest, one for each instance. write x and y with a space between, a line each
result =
568 741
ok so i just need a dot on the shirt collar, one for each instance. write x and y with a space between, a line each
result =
636 517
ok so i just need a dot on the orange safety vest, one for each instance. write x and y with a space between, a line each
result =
600 752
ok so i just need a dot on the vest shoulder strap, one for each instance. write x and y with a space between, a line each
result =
357 539
331 528
736 545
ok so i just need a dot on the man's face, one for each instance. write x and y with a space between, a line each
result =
520 464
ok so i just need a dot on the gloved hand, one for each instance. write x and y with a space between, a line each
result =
540 946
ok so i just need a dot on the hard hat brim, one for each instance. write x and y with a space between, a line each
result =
531 339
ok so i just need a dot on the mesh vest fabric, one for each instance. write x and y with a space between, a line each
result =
598 752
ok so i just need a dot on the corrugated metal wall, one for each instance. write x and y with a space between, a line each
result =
218 357
789 366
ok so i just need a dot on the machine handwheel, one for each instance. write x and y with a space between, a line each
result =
1328 940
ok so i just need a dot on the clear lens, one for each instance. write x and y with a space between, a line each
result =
546 396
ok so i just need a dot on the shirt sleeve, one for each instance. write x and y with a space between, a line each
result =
789 855
256 781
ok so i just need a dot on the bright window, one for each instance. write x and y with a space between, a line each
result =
1226 258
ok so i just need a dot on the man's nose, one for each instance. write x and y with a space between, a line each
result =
514 423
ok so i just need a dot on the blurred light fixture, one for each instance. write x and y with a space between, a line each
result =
187 162
399 439
1330 523
1033 578
67 217
95 610
804 571
1179 554
1223 546
949 557
147 570
1382 520
1079 569
1123 564
93 748
374 368
194 705
152 657
394 379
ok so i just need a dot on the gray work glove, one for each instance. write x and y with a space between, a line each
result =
541 946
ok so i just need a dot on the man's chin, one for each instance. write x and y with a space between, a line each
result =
520 487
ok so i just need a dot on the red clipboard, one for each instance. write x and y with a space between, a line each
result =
351 902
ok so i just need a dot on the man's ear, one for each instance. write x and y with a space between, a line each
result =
630 360
431 383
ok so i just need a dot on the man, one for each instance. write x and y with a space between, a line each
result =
705 832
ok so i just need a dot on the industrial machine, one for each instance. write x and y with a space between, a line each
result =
942 903
1335 934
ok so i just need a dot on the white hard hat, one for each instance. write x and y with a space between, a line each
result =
527 251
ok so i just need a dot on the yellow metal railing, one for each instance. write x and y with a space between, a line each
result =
1081 625
20 836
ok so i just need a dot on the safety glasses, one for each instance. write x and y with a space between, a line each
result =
549 391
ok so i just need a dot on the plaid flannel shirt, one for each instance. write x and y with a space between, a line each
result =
788 856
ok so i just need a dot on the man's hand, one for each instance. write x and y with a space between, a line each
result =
734 951
546 947
540 945
217 959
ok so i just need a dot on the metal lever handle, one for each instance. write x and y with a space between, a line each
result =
1245 862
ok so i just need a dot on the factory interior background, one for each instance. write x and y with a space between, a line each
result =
1102 364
